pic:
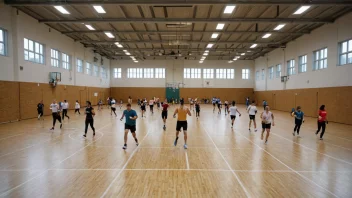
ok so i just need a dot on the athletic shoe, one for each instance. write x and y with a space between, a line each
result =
185 146
231 126
94 133
317 133
137 143
124 146
52 128
249 130
60 126
294 133
175 143
255 130
84 135
266 141
321 138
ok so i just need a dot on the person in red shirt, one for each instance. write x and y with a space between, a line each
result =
322 121
164 113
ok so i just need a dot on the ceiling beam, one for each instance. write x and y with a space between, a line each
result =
175 2
184 49
167 42
191 20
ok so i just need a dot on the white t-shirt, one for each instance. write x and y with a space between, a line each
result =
77 106
233 110
54 108
266 117
113 102
252 109
151 102
65 105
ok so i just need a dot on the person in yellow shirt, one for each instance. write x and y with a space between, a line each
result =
182 113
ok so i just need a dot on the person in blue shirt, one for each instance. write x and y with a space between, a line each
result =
213 101
130 124
299 119
265 104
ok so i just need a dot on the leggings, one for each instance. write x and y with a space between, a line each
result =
56 116
64 114
77 110
197 113
321 125
90 122
297 126
40 113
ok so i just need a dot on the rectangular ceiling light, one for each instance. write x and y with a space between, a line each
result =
206 51
230 62
279 27
108 34
99 9
253 46
118 45
124 50
61 9
266 35
200 61
214 35
243 54
229 9
135 61
210 45
220 26
90 27
205 54
127 53
301 9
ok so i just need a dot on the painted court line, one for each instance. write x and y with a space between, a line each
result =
11 136
187 160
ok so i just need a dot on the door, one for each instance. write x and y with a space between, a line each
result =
172 93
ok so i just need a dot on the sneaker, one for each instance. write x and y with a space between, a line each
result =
137 144
175 142
185 146
94 133
52 128
124 146
60 126
84 135
231 126
294 133
317 133
255 130
266 141
321 138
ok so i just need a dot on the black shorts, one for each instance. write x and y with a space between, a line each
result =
298 121
219 105
40 112
233 117
252 117
214 104
132 128
113 108
266 126
164 114
151 106
158 104
181 124
143 108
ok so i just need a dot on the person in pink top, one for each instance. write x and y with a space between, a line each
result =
322 121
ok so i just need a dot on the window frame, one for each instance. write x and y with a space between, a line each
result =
291 67
245 74
257 75
159 72
40 54
65 62
57 59
263 74
104 73
192 73
4 42
96 70
278 69
208 73
302 66
271 72
225 73
88 69
347 53
117 72
148 72
79 67
134 72
317 62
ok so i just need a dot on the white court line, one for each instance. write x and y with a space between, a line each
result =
11 136
124 167
14 188
187 160
233 172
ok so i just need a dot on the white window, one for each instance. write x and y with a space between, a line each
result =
345 52
320 59
263 74
271 72
257 75
3 42
96 70
88 69
134 73
208 73
65 61
117 73
55 60
230 73
302 67
33 51
148 73
104 74
291 67
79 65
225 73
245 73
278 71
159 72
191 73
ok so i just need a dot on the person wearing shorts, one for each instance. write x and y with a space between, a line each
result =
182 113
151 105
143 103
267 119
55 109
113 107
40 109
252 110
164 113
226 104
232 112
130 124
213 101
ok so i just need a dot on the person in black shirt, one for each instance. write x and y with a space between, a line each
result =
40 109
89 118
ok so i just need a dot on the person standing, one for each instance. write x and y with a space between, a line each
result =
182 113
213 101
264 104
129 99
100 105
130 124
40 109
267 118
64 110
197 107
299 119
232 112
121 102
252 110
77 107
151 105
226 104
143 104
247 102
55 112
322 121
219 105
113 107
89 118
164 113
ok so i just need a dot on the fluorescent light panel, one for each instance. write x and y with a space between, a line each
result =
214 35
229 9
253 46
205 54
243 54
127 53
61 9
206 51
99 9
279 27
210 45
200 61
266 35
301 9
108 34
220 26
118 45
90 27
230 62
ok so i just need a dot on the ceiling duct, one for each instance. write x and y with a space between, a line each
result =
178 25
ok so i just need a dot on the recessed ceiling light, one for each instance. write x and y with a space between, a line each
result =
99 9
135 61
108 34
243 54
90 27
230 62
234 59
237 57
203 57
127 53
229 9
214 35
205 54
279 27
119 45
210 45
266 35
61 9
124 50
206 51
220 26
200 61
253 46
301 9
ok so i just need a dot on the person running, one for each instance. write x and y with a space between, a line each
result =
299 119
226 107
213 101
264 104
40 109
77 107
139 102
232 112
55 111
89 118
121 103
267 118
129 100
113 107
197 107
130 124
64 110
108 102
247 102
100 105
143 104
191 104
322 121
252 110
151 105
158 103
164 113
181 112
219 105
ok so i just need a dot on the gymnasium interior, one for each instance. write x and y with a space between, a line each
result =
283 54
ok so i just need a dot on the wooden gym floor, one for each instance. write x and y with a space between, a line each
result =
220 162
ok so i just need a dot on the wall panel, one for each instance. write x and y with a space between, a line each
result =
9 101
137 92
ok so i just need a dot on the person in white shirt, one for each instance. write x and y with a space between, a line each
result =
64 110
129 100
55 109
151 105
219 106
113 107
252 110
267 119
77 107
226 104
232 111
